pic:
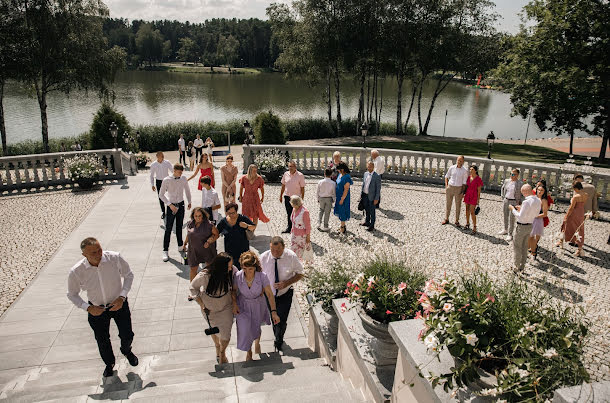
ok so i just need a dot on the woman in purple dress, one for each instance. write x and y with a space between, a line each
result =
251 311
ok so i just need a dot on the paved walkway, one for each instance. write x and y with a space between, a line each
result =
47 349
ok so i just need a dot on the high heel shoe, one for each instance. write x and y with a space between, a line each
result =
342 229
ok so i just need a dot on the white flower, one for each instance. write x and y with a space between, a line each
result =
550 353
431 342
370 306
471 339
522 373
448 307
489 392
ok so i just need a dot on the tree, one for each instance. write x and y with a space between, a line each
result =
64 49
100 127
559 66
188 51
227 50
149 43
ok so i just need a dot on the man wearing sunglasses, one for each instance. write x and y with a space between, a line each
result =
511 196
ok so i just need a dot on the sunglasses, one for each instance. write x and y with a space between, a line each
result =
513 174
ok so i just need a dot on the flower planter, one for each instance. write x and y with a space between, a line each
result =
86 183
273 176
383 348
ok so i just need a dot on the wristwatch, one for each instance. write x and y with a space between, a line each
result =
123 298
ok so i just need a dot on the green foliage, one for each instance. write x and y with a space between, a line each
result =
329 284
268 129
36 147
83 166
227 51
411 130
386 290
532 345
188 51
150 43
100 137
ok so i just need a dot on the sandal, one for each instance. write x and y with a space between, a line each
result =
445 222
457 224
474 231
578 253
342 229
467 226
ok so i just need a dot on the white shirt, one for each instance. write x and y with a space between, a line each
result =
530 208
102 283
326 188
379 165
198 143
174 187
287 266
160 170
367 182
457 176
510 190
181 145
209 198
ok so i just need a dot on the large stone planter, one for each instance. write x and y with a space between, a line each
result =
273 176
86 183
383 348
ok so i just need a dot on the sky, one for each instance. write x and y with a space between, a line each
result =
200 10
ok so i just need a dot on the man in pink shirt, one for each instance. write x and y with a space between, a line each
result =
293 183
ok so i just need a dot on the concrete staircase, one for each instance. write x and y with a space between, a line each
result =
189 375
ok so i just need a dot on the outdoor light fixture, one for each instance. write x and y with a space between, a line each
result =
490 143
248 132
365 130
114 131
126 137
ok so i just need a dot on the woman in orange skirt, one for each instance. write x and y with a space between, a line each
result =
251 203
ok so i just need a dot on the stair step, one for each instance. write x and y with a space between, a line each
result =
188 396
58 393
327 391
213 391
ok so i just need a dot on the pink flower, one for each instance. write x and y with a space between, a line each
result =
349 283
402 286
389 312
489 297
418 315
343 307
346 292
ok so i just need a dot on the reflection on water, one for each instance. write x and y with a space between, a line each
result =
161 97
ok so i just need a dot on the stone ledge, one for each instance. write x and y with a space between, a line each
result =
354 359
587 392
322 338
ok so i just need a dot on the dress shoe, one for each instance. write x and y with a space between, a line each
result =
363 224
370 229
279 345
163 216
109 371
286 231
133 360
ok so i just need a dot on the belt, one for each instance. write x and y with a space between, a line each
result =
509 199
105 306
520 223
178 204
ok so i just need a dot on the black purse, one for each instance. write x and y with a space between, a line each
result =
477 210
361 202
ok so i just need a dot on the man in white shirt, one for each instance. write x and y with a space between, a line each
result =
198 144
511 196
210 201
99 274
326 193
182 150
159 169
283 268
293 182
172 193
455 186
525 215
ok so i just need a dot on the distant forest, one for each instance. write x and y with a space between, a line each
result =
231 42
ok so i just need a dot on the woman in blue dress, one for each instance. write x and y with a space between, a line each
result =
342 203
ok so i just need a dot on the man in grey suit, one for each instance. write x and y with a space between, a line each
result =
511 196
371 188
589 189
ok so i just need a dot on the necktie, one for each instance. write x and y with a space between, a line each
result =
277 275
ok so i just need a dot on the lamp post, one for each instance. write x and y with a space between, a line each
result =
114 131
365 130
490 143
248 132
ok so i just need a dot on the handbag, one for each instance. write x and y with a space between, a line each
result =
477 210
361 202
249 235
308 255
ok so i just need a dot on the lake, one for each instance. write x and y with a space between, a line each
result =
161 97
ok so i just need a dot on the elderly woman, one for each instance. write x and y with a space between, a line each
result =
233 227
333 166
301 226
228 174
201 236
212 288
251 310
574 222
342 204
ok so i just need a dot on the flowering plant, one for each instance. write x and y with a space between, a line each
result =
83 166
386 290
328 285
532 347
142 159
271 159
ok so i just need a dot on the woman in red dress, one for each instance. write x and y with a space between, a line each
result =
206 168
472 197
251 203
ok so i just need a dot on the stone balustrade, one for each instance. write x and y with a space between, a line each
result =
425 167
43 170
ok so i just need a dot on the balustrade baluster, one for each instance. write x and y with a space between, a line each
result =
53 165
26 172
8 174
35 165
318 154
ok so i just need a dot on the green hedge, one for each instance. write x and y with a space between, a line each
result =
165 137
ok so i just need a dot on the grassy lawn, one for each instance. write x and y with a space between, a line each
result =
180 68
510 152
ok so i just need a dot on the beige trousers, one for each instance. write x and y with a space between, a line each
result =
451 193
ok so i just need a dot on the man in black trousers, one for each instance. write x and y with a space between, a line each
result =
283 268
173 190
99 274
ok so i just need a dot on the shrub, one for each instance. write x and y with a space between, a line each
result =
100 128
328 285
532 346
85 166
35 146
411 130
386 290
270 159
268 129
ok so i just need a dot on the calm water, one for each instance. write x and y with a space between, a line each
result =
161 97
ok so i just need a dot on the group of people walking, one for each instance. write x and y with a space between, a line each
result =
194 150
525 205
